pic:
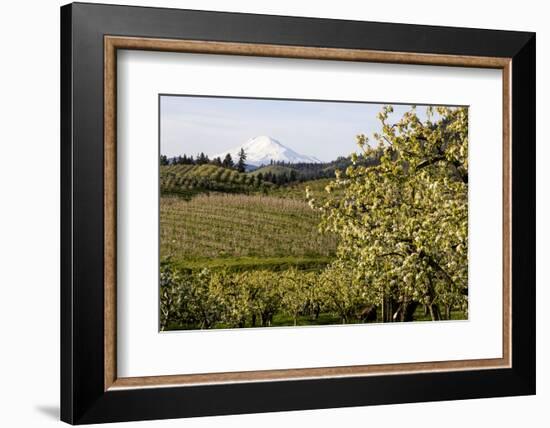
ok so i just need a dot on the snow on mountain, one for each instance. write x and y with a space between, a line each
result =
262 150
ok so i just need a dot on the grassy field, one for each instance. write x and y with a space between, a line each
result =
240 264
219 218
236 229
327 318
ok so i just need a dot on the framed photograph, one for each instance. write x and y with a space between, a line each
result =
266 213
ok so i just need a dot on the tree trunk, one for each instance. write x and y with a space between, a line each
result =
434 312
265 318
408 310
389 310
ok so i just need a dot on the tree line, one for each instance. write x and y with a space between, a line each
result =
221 299
203 159
208 299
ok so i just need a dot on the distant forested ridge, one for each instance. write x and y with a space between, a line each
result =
276 172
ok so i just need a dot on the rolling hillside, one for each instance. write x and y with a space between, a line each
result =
189 180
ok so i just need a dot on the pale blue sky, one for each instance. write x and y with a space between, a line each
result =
324 129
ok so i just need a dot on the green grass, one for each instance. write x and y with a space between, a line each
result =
419 315
241 229
325 318
239 264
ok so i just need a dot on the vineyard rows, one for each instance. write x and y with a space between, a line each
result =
237 225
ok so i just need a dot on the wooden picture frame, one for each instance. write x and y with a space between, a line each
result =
91 390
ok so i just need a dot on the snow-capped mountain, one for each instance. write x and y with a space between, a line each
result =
262 150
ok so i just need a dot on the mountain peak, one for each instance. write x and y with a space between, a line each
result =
263 149
262 141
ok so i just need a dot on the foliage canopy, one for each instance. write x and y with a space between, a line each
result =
403 224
